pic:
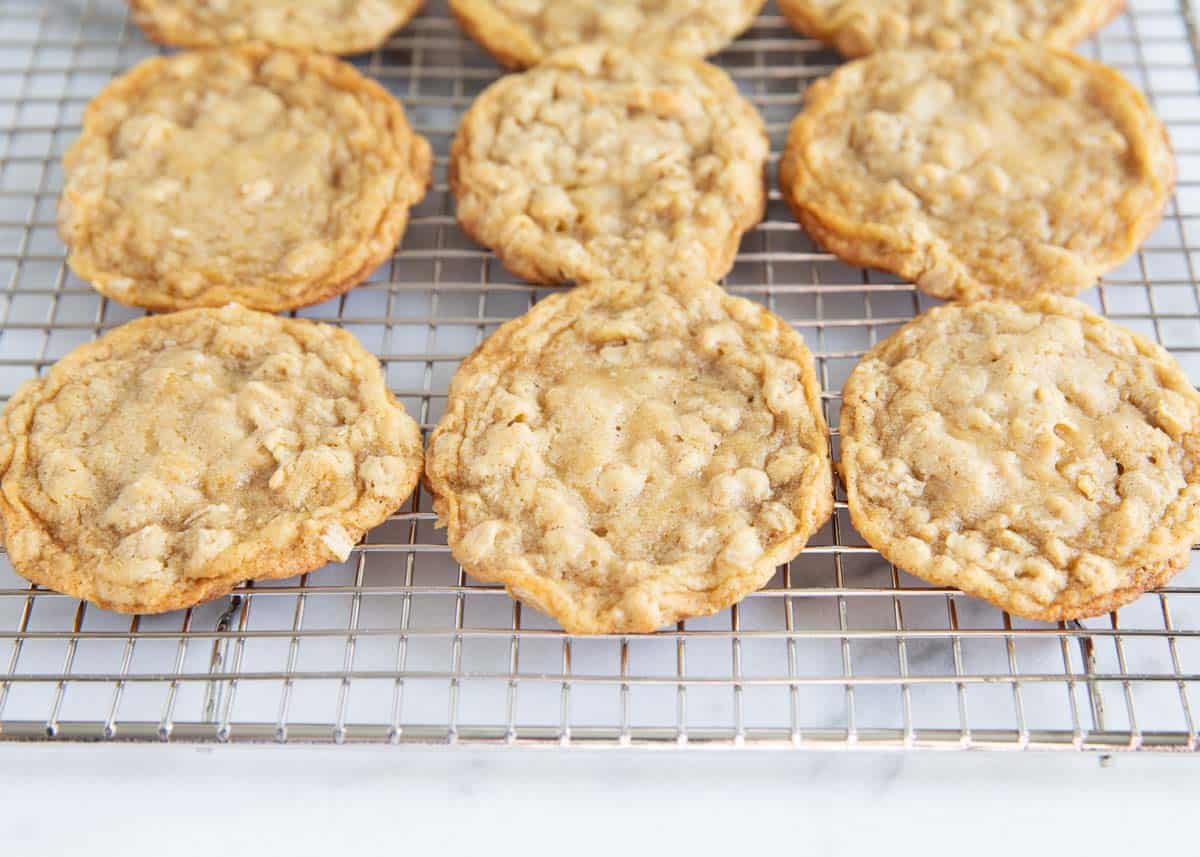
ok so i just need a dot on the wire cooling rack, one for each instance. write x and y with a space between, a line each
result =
397 645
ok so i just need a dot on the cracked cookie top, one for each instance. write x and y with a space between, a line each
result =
181 454
624 456
603 164
264 177
522 33
1000 173
1035 455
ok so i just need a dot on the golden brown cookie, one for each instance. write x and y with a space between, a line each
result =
266 177
327 26
860 27
603 164
181 454
1034 455
625 456
522 33
1000 173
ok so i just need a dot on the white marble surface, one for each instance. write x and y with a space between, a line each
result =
311 801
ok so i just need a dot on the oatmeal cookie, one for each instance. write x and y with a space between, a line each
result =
328 26
522 33
602 164
264 177
181 454
1034 455
624 456
1000 173
860 27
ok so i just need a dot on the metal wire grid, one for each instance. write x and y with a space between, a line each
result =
397 645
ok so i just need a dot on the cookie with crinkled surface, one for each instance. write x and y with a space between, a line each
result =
625 455
264 177
603 164
999 173
860 27
181 454
522 33
1034 455
328 26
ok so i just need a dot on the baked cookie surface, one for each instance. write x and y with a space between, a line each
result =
326 26
264 177
1000 173
601 164
1034 455
522 33
860 27
181 454
624 456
